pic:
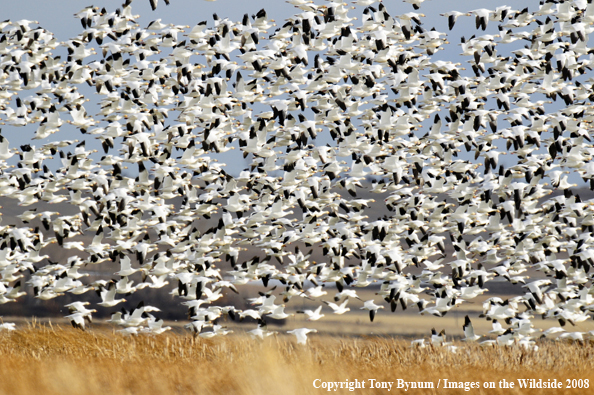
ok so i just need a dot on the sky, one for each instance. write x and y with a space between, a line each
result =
58 17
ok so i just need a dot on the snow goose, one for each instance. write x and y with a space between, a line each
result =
338 309
497 328
312 315
301 334
468 329
261 332
552 332
7 326
78 320
438 339
108 294
279 313
154 3
372 307
453 16
155 326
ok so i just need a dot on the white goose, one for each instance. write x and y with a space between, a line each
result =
301 334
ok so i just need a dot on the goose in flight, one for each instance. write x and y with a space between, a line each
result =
7 326
438 339
338 309
154 3
279 313
453 16
261 332
301 334
80 314
154 326
108 295
468 329
312 315
497 328
372 307
78 320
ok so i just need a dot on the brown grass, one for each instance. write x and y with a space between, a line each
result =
57 360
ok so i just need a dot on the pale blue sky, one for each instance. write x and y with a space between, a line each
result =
58 17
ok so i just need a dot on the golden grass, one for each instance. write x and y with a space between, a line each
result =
57 360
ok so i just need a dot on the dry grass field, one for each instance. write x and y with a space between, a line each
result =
44 359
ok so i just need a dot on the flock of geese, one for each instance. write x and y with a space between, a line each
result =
472 160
